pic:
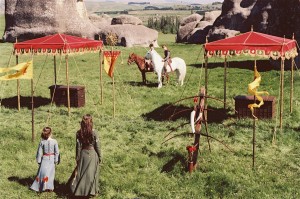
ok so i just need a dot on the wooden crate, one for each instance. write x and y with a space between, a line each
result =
77 95
268 110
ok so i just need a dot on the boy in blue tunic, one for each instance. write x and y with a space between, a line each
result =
47 156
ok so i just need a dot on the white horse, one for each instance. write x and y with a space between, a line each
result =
177 65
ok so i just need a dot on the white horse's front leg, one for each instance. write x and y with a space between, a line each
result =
159 80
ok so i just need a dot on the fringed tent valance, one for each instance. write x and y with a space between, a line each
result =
58 44
253 44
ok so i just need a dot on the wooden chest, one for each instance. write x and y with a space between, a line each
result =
268 110
77 95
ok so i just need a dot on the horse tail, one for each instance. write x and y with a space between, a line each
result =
181 71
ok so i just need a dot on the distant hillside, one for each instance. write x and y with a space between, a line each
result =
138 3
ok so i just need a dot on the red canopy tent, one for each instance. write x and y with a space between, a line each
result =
254 44
58 44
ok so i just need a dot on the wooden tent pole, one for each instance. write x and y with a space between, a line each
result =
32 106
206 84
225 80
18 87
68 84
281 91
32 111
55 75
253 140
292 86
101 80
254 127
18 83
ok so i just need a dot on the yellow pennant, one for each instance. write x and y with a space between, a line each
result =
21 71
252 89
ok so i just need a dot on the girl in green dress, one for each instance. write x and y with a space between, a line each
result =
84 182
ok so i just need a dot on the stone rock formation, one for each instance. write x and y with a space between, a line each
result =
126 19
276 17
100 21
35 18
128 29
194 28
130 35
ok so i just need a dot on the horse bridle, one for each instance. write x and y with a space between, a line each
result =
130 60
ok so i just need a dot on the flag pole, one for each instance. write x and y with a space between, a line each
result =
114 98
18 83
101 80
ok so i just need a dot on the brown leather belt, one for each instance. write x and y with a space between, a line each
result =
88 147
48 154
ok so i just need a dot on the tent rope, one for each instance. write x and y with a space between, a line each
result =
188 79
1 82
36 83
84 83
52 97
276 118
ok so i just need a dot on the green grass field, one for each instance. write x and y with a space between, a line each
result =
135 162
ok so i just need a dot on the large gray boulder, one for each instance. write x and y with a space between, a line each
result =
35 18
129 35
194 28
275 17
128 30
126 19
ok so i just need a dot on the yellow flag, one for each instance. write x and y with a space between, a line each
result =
21 71
252 89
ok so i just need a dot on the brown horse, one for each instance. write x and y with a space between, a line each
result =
140 62
143 66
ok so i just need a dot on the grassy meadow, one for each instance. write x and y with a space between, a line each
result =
135 162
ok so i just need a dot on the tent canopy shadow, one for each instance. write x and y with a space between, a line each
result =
141 84
168 112
262 65
12 102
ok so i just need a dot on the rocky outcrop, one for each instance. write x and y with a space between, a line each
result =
275 17
35 18
126 19
194 28
129 35
100 21
128 30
